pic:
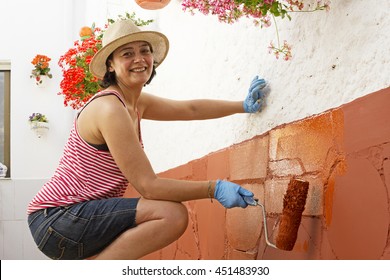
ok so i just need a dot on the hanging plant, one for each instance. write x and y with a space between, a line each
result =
41 68
37 117
262 12
78 84
152 4
38 123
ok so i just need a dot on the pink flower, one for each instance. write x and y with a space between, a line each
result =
285 50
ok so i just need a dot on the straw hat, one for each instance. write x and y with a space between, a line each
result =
123 32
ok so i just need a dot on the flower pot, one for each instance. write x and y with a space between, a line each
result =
152 4
41 81
40 128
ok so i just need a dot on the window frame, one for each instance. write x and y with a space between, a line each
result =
5 67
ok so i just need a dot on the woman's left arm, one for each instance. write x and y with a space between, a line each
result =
162 109
157 108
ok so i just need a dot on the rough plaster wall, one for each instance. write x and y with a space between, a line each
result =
343 153
207 59
338 57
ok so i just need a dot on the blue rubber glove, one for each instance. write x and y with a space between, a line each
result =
230 194
255 98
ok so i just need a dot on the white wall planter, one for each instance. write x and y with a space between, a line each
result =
42 81
40 128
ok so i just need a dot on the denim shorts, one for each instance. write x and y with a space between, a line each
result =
81 230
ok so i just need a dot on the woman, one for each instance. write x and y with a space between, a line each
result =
80 212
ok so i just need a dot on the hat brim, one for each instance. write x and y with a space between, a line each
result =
157 40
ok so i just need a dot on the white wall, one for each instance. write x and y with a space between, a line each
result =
29 28
207 59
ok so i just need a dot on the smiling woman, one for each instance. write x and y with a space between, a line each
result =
82 208
140 52
121 34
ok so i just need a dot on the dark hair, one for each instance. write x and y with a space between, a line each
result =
110 77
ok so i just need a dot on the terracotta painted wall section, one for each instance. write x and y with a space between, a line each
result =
344 153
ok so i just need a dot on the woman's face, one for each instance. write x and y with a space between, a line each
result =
132 63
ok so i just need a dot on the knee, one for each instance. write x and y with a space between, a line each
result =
176 216
172 216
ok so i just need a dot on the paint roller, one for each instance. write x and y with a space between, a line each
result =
293 205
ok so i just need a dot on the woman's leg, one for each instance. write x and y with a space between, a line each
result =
159 223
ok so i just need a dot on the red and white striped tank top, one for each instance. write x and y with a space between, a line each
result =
84 173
